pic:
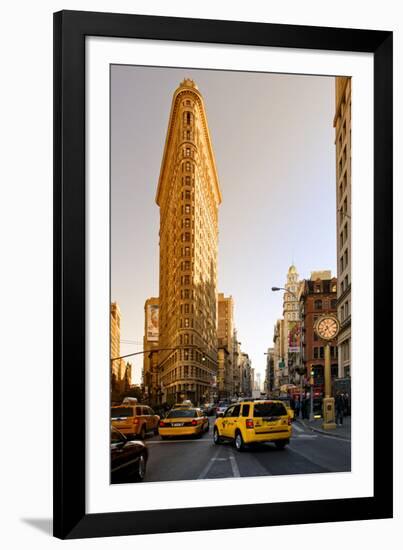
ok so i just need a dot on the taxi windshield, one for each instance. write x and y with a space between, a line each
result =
182 413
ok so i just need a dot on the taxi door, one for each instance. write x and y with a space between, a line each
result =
225 421
233 421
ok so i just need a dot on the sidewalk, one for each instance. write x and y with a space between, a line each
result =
343 431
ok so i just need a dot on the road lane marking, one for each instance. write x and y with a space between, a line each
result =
305 436
335 437
209 464
298 428
234 465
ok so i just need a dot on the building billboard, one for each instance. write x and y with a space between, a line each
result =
152 323
294 336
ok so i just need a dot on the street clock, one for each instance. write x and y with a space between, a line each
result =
327 327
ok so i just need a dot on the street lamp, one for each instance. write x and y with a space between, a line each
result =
275 289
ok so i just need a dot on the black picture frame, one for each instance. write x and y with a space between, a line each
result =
70 30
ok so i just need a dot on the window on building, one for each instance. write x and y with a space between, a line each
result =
187 152
187 208
318 304
187 166
333 304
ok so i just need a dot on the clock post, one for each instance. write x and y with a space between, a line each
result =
327 328
328 401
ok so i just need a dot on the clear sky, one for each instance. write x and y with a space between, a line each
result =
273 140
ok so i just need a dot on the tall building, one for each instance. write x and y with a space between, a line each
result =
257 384
236 364
152 387
342 125
246 375
280 369
225 333
118 366
188 196
269 377
291 325
318 297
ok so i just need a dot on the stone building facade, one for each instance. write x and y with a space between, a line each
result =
280 374
119 377
225 332
342 125
292 325
151 383
188 196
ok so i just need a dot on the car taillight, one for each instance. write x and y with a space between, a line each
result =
162 423
135 420
249 423
194 422
289 421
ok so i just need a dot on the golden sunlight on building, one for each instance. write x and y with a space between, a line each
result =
188 196
342 124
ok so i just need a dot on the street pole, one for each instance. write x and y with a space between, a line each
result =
328 401
300 358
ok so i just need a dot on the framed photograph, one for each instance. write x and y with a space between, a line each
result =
222 247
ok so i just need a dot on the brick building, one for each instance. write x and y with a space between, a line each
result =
319 297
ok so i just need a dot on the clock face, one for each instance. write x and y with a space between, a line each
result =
327 328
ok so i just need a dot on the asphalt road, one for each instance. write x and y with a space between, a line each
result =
185 459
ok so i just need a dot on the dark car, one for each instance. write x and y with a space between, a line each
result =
128 458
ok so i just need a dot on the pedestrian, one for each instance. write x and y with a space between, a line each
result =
339 404
305 408
346 405
297 406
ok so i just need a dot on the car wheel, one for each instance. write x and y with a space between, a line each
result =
239 443
140 472
143 432
281 444
216 437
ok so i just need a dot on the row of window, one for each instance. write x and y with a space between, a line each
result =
344 284
345 311
319 352
345 350
344 235
324 304
344 261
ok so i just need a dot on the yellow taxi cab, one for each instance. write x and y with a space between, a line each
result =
133 419
184 405
183 421
251 421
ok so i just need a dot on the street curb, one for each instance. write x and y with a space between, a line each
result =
337 436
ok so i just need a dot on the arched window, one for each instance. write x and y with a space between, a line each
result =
318 304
